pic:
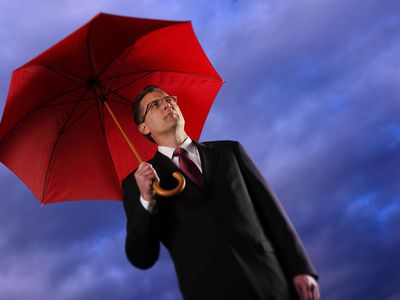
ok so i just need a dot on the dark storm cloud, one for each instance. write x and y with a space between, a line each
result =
71 251
321 96
298 55
312 93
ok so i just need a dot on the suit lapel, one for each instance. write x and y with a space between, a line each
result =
209 158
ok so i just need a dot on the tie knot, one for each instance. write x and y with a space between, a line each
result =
179 152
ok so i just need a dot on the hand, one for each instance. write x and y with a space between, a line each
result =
144 176
306 287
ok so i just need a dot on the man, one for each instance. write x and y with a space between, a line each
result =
226 232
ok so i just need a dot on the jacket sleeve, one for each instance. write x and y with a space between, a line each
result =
273 219
142 243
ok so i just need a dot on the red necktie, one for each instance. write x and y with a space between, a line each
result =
189 167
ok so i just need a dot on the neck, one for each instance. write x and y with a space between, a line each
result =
172 140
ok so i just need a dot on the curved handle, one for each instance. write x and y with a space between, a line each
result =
169 193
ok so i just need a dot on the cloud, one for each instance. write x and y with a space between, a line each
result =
71 251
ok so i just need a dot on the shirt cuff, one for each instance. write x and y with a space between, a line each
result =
148 205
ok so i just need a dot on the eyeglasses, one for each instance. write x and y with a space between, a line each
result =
155 104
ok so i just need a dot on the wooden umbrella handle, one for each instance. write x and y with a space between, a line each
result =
168 193
156 186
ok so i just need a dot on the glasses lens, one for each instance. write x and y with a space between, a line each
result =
172 100
156 103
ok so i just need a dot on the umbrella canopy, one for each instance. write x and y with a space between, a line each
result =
56 134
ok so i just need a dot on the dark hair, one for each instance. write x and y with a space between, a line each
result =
137 112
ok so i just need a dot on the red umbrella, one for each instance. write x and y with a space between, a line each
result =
56 134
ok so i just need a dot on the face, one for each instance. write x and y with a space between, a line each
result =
162 120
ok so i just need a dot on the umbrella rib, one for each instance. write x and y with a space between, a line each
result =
48 168
56 96
130 82
92 60
60 133
120 102
61 73
39 106
166 70
101 118
119 68
64 74
186 72
128 101
112 60
66 102
126 74
79 116
103 131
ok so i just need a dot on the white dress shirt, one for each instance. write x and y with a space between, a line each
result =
193 154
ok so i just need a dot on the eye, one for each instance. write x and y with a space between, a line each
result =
154 104
157 103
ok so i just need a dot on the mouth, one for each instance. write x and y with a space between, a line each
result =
171 114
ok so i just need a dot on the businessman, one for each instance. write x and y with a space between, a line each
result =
227 234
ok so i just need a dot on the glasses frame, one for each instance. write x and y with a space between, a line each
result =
172 100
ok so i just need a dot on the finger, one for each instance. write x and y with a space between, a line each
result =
144 165
142 176
299 291
316 294
151 174
310 295
148 183
148 173
304 292
144 179
143 168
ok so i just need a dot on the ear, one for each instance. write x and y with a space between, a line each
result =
143 129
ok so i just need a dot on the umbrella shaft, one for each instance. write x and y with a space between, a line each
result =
123 132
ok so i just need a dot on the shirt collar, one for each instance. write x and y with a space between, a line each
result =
188 145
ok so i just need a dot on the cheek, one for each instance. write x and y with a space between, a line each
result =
156 121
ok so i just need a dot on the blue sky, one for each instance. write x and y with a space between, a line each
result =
311 92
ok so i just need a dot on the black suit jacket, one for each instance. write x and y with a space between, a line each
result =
230 239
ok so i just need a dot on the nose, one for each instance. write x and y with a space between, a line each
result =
166 104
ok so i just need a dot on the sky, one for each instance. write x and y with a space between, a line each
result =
311 91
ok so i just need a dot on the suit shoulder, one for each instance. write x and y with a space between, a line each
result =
222 143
